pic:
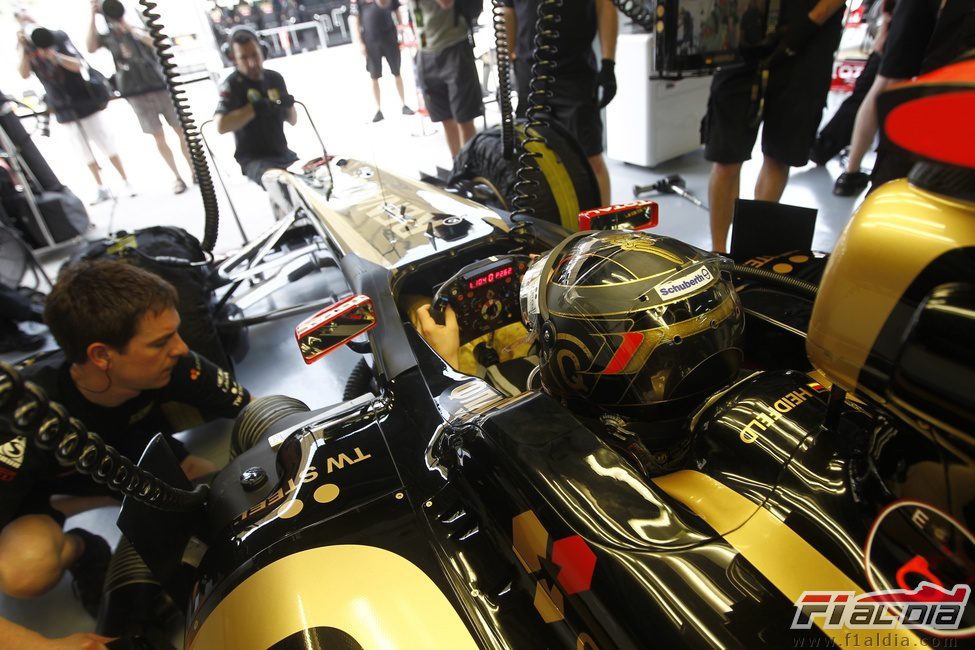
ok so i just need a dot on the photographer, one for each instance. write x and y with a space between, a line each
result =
139 79
77 93
254 105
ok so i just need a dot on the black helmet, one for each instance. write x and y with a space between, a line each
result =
633 323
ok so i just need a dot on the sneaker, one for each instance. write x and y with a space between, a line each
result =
89 570
128 190
103 194
378 117
850 183
179 186
407 110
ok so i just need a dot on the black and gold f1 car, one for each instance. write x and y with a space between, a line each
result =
814 504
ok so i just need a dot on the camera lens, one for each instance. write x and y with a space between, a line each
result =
113 9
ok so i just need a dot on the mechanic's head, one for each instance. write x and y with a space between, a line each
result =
246 53
120 319
633 323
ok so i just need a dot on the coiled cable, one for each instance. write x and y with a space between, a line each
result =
25 410
636 11
194 142
539 106
787 282
503 55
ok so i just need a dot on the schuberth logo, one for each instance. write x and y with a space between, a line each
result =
687 283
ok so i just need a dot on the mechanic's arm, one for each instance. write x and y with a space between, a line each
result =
355 29
824 9
511 30
23 67
608 20
444 339
20 638
290 115
445 4
91 39
382 3
235 119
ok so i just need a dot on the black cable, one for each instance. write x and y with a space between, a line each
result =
784 281
193 138
542 76
25 410
503 54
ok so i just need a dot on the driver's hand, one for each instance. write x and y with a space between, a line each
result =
78 641
444 339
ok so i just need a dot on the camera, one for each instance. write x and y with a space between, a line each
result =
113 9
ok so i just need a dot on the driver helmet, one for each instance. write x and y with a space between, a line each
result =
632 323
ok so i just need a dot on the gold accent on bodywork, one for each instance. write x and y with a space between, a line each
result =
897 232
787 560
379 598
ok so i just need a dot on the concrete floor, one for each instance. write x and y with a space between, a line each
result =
336 91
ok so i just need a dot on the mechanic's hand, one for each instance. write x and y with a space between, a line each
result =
444 339
22 38
606 79
263 106
96 7
77 641
287 101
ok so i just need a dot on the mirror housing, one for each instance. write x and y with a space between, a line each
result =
637 215
334 326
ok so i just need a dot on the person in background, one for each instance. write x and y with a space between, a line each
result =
581 88
77 104
445 70
254 105
373 25
790 108
139 79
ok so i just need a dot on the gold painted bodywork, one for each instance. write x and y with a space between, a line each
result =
378 597
897 232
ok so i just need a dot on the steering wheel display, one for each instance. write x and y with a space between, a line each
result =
484 295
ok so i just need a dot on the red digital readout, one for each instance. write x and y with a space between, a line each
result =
491 276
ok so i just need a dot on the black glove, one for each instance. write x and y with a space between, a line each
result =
263 106
287 101
798 32
606 79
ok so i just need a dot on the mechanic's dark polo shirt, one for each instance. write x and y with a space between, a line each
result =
577 29
198 391
262 137
377 22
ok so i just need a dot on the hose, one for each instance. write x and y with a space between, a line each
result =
25 410
503 50
194 142
637 12
785 281
543 68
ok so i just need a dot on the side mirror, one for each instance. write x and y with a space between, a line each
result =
334 326
637 215
935 371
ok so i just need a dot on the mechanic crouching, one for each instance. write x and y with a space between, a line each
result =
632 332
254 105
124 371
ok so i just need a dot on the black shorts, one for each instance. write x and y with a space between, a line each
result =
910 31
379 49
794 102
254 169
448 79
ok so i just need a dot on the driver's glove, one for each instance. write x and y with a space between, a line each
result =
606 79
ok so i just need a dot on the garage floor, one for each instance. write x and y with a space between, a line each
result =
335 89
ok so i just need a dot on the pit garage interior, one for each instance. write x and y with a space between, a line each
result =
330 82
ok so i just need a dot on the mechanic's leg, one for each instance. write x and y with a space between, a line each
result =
196 466
376 93
865 125
71 505
34 552
772 179
722 192
451 131
166 152
467 132
96 172
117 164
598 164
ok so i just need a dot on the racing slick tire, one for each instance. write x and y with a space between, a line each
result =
568 185
360 381
255 421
